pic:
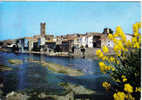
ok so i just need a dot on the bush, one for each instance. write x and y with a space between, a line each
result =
124 67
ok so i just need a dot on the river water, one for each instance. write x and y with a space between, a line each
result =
34 76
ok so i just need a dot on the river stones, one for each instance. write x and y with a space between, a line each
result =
16 96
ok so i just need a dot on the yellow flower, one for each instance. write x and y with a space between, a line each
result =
125 49
138 89
128 88
139 24
136 45
120 44
108 67
117 62
117 80
123 38
106 85
134 39
116 48
129 97
124 79
136 34
98 52
123 76
139 39
113 69
102 66
135 28
115 40
119 30
111 59
115 35
119 96
104 58
110 36
128 43
101 55
118 53
105 49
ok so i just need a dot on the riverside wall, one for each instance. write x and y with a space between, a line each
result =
89 53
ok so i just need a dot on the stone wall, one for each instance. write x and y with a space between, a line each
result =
89 52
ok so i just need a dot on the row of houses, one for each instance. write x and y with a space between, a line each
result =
63 43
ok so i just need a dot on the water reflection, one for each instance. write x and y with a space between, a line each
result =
33 76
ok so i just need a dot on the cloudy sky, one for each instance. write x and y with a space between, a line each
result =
20 19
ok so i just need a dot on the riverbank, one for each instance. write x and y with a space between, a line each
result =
90 53
75 92
72 91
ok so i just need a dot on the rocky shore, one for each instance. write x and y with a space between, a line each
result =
73 90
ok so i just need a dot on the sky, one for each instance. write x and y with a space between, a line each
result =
22 19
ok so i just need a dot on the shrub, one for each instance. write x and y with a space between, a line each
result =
124 67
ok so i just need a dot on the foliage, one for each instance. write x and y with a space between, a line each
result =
123 67
15 61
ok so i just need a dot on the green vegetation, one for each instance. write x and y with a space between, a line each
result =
15 61
62 69
59 68
4 68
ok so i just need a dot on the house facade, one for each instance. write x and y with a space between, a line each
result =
89 41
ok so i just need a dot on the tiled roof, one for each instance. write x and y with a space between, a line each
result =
28 37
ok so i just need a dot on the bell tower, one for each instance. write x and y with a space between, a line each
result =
42 29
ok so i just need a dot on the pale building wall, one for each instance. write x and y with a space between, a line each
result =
90 42
30 45
77 42
42 40
83 41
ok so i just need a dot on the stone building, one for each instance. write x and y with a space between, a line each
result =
43 29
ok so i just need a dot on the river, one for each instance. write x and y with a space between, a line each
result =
33 76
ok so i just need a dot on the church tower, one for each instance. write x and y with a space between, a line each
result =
42 29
